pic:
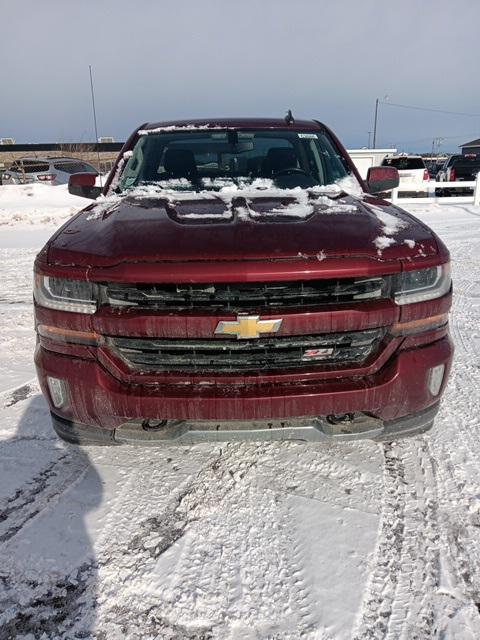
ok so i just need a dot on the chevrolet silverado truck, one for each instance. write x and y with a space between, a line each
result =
237 279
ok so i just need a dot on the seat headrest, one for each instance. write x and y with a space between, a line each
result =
279 158
180 163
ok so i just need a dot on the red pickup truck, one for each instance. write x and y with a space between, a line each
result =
237 279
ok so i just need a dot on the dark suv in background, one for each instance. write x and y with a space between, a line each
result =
458 168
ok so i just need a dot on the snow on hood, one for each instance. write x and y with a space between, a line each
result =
253 220
177 190
350 185
148 224
391 225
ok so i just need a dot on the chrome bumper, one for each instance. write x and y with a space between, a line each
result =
361 426
181 432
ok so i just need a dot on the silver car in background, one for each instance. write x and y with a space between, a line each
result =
53 171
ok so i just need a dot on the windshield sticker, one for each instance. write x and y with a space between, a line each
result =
310 136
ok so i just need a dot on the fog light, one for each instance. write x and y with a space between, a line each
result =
435 379
58 391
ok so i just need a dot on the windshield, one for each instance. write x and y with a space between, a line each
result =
209 159
404 163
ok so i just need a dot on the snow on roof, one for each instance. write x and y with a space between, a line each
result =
237 123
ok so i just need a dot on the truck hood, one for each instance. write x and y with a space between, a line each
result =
211 228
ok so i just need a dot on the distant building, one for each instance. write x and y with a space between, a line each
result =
471 147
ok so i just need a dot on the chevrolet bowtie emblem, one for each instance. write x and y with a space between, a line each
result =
248 327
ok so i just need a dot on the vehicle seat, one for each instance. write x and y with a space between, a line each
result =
180 163
279 159
254 166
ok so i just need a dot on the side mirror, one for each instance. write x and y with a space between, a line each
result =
83 185
381 179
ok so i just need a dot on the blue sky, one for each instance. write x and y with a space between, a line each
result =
155 60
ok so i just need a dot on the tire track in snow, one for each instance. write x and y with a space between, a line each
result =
302 585
198 497
62 468
330 473
457 467
43 607
464 322
140 529
38 494
413 612
372 622
48 613
464 318
24 391
30 607
459 594
405 569
458 470
410 602
223 550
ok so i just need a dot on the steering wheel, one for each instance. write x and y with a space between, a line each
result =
290 171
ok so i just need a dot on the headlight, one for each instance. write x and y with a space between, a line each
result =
424 284
65 295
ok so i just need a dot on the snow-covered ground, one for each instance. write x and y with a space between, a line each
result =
37 205
239 541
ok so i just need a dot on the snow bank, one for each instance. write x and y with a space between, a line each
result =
33 205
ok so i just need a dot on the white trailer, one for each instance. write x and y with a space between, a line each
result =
363 159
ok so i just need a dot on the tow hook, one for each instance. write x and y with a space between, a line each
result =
351 425
340 418
154 425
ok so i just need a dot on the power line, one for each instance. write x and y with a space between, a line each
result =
428 138
452 113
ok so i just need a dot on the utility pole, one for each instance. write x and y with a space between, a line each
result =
377 101
369 134
375 125
95 121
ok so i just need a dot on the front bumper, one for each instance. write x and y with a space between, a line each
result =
183 432
398 390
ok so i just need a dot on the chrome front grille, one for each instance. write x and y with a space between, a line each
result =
230 356
243 296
